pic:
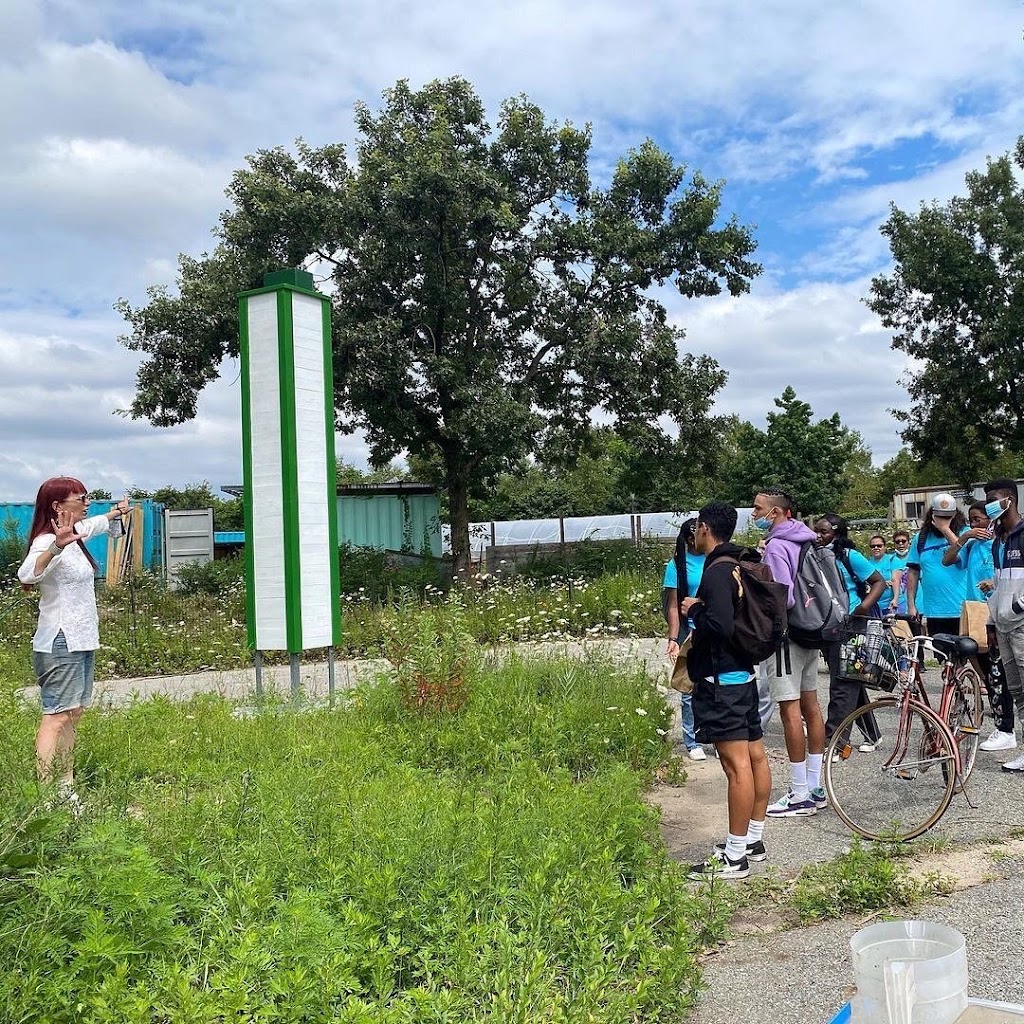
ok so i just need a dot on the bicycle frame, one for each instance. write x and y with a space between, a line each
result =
914 693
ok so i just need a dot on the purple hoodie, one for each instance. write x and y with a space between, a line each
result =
782 551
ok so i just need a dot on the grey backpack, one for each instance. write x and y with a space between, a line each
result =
820 601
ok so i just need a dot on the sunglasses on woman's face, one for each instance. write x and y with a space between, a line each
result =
879 547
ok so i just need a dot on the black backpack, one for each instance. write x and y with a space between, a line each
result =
820 601
760 622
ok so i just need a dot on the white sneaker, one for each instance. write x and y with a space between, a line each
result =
1016 765
1000 741
697 754
867 746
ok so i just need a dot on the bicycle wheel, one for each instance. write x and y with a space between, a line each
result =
903 787
964 719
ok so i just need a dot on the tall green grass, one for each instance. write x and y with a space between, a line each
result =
379 862
146 629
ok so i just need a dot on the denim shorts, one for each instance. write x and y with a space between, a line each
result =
64 677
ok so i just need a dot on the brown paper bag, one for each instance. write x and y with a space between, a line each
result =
901 629
973 620
681 681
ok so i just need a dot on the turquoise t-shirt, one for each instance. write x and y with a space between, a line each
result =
694 571
941 588
862 569
736 678
898 561
882 565
975 559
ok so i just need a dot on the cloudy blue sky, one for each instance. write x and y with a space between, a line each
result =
124 120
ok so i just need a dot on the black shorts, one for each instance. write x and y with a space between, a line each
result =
726 712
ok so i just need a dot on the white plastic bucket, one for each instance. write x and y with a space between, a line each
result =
909 972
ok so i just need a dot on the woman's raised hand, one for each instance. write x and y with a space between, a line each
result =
64 528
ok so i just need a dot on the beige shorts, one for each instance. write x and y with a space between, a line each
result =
802 679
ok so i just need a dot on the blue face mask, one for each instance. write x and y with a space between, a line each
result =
764 523
994 509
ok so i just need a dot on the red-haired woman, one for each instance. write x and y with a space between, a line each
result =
66 638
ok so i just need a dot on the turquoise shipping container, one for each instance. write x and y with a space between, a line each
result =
391 517
16 518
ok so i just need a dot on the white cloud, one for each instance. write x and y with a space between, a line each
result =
821 339
124 119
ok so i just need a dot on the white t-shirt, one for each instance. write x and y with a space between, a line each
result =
67 590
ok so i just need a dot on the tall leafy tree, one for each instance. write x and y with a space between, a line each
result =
346 473
228 513
484 290
955 304
809 459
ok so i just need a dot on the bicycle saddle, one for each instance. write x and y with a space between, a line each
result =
948 644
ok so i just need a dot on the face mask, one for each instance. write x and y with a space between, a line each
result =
764 523
994 509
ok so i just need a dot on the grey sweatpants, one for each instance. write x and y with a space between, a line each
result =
1011 650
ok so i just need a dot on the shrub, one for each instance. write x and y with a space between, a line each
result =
436 658
590 559
12 552
219 577
378 576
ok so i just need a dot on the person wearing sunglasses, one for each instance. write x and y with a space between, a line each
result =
881 560
877 555
67 634
898 558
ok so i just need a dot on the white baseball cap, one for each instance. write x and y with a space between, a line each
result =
944 505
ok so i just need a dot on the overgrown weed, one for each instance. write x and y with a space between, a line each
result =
867 877
493 862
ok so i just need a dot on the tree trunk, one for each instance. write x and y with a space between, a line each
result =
458 510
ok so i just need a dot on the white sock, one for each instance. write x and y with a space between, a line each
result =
798 774
735 847
814 770
755 831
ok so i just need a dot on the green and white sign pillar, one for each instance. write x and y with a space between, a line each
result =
291 529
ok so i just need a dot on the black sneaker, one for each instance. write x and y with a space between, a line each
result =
721 867
755 851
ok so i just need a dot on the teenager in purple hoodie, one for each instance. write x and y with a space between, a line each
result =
795 692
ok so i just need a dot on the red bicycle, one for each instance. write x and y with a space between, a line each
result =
927 750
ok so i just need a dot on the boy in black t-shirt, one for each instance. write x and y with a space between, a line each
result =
725 695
